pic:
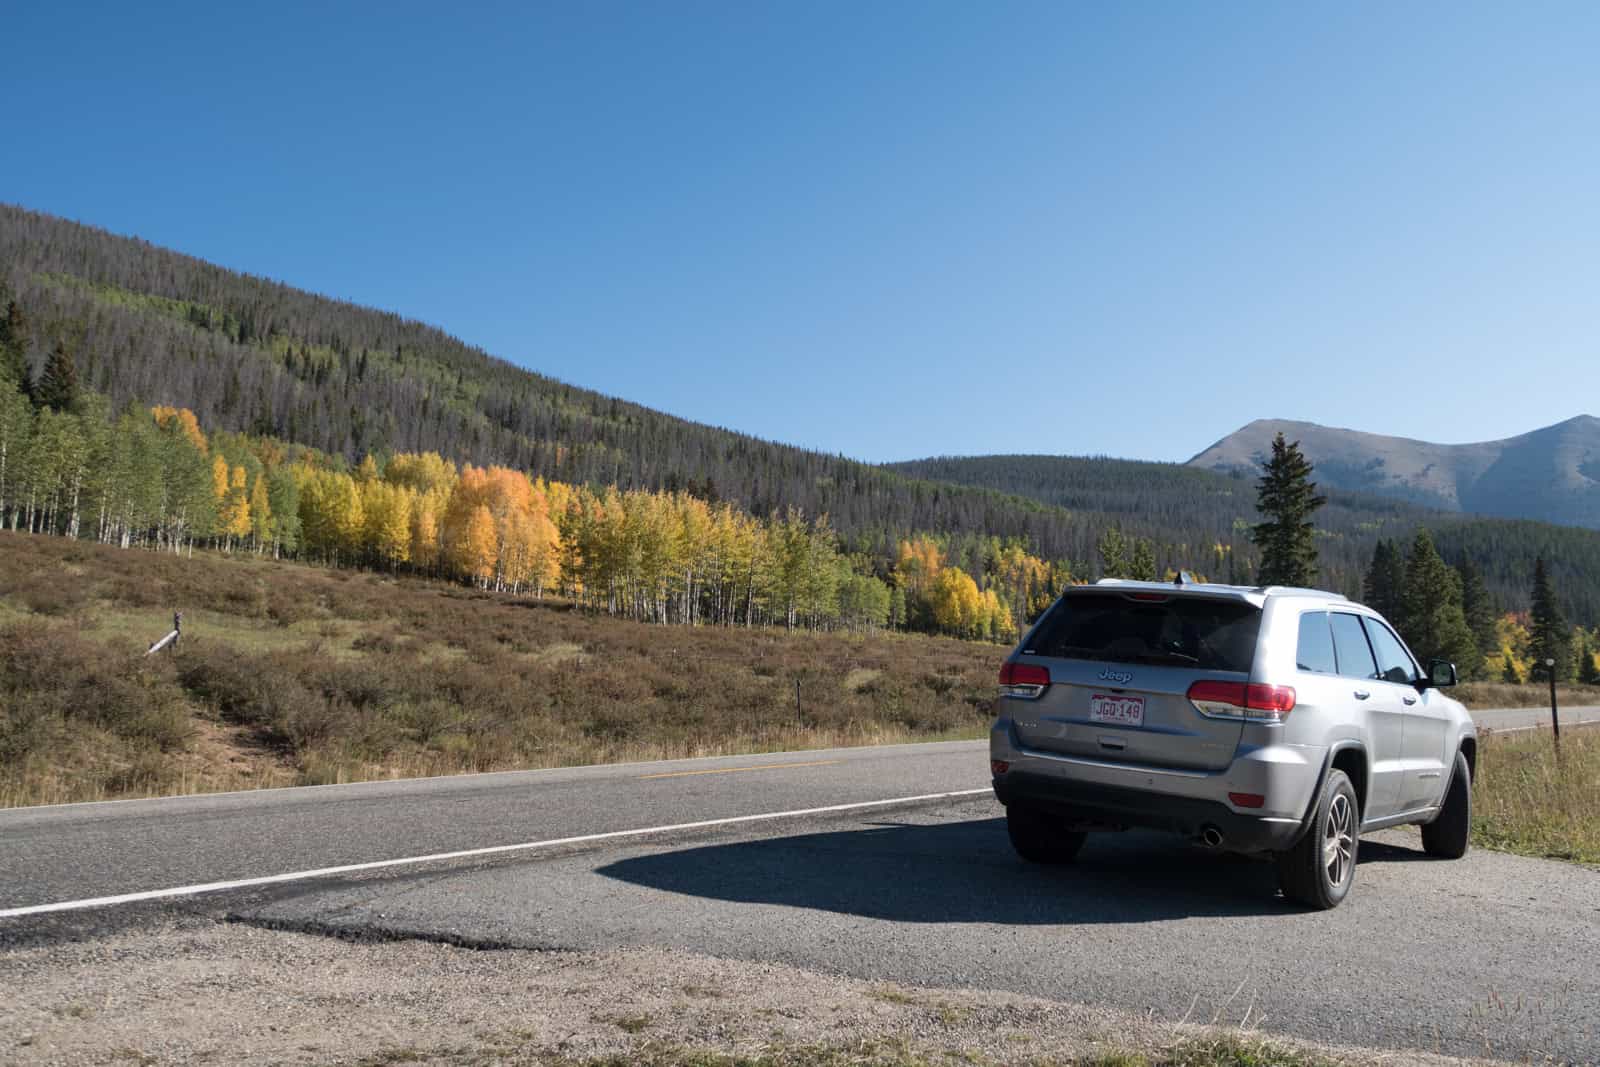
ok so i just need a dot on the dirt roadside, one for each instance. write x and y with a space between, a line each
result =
193 992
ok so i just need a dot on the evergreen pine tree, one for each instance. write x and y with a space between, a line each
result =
1286 497
1385 581
13 344
1547 631
1431 619
57 387
1143 566
1478 606
1113 549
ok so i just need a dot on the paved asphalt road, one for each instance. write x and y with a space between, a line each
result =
1492 954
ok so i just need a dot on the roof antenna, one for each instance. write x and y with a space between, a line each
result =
1183 578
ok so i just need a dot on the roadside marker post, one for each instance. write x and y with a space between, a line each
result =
1555 718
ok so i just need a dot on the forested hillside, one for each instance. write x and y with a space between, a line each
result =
245 354
292 391
1173 504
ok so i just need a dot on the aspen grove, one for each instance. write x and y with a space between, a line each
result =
154 479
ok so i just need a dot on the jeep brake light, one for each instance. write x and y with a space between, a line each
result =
1241 700
1025 680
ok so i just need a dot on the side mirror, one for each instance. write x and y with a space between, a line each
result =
1441 674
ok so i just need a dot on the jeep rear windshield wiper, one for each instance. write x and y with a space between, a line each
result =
1166 657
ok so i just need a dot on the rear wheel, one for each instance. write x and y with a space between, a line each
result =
1040 837
1446 836
1319 870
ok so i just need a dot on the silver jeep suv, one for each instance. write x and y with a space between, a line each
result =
1272 720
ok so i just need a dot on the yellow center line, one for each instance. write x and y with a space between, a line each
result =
736 770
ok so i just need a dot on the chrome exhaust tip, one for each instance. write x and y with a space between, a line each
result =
1212 837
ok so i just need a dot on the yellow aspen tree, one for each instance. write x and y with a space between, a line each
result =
545 568
918 565
233 515
220 476
386 521
426 511
261 512
330 514
954 601
423 471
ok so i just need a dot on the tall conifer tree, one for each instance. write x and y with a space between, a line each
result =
1286 498
1143 565
57 387
13 343
1547 632
1113 548
1385 581
1431 619
1478 607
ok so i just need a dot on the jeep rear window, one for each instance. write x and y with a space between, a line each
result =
1180 631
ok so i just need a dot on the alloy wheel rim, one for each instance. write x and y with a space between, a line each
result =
1338 842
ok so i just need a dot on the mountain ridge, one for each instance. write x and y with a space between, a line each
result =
1550 474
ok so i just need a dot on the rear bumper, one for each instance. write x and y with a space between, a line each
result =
1107 807
1181 801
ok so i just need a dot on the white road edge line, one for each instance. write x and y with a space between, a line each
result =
492 850
1535 726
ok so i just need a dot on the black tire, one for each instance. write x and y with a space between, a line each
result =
1319 870
1039 837
1447 835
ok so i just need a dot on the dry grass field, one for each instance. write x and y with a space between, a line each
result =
296 675
289 674
1531 800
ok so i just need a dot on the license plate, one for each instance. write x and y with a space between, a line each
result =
1119 710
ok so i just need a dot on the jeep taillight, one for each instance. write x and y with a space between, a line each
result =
1024 680
1242 700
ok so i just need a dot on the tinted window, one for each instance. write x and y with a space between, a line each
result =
1315 650
1394 662
1350 644
1217 635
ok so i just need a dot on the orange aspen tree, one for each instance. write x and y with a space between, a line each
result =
184 419
479 549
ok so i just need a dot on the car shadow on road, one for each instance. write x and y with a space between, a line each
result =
966 872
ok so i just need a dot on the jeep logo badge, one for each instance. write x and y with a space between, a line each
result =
1119 677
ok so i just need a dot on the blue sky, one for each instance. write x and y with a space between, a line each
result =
884 229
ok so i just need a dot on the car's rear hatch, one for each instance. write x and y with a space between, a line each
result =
1121 665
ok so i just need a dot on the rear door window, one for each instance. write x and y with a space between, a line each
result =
1394 662
1314 652
1350 646
1215 635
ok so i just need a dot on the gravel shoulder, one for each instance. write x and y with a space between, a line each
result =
193 990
